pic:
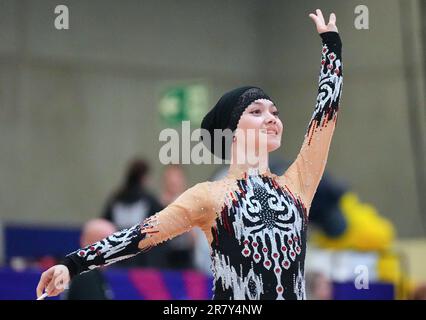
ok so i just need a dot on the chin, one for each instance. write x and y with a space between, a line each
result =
273 143
272 146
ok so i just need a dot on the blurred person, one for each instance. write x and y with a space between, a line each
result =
91 285
174 183
318 286
133 203
181 249
201 253
419 292
255 221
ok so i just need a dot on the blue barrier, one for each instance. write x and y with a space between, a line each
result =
34 241
125 284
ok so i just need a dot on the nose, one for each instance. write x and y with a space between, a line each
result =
271 118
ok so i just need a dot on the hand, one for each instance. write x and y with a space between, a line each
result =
320 22
53 281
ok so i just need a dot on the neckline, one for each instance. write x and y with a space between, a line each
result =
237 173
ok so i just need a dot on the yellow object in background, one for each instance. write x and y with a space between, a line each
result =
388 268
366 229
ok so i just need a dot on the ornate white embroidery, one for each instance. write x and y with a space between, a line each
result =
330 82
263 216
250 286
299 285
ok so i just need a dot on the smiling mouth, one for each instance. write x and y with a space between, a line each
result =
273 132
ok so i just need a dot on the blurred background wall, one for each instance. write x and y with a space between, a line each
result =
76 104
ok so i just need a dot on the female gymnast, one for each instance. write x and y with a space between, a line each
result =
254 221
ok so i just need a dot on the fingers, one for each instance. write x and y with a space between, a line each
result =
40 288
44 280
314 18
332 19
60 283
57 287
51 286
318 19
57 283
320 16
53 282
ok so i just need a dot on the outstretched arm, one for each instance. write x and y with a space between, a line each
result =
306 171
184 213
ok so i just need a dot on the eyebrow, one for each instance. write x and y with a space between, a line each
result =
260 103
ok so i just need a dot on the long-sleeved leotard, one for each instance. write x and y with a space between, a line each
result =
255 222
308 168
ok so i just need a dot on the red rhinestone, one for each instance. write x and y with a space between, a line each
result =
330 66
284 248
286 264
280 289
92 248
267 263
290 241
322 62
324 50
246 251
81 253
256 256
292 254
246 242
255 244
265 249
275 255
277 270
331 56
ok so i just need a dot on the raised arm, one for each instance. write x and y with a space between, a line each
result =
306 171
184 213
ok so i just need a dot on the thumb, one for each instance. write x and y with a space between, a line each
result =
332 19
54 282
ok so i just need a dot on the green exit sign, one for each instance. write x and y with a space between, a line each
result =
183 103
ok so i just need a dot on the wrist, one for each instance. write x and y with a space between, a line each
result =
71 266
331 38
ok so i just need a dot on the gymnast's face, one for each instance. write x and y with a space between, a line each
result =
262 115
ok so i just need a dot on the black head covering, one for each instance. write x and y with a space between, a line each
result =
226 114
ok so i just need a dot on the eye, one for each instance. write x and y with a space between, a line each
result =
256 111
276 113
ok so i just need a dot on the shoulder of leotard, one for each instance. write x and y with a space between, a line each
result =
202 187
208 187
